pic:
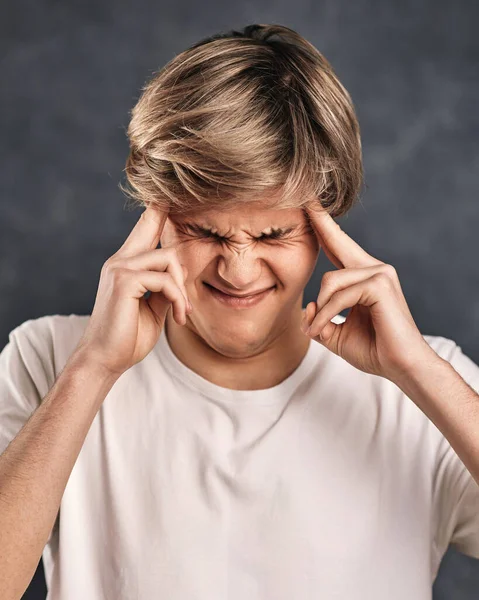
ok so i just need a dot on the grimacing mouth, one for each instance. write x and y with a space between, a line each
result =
252 293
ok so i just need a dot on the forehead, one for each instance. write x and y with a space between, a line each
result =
248 216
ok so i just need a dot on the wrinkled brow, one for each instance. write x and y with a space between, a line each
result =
274 231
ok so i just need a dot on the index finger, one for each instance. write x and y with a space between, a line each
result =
338 246
146 234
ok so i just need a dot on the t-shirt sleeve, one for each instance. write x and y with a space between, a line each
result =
457 493
26 375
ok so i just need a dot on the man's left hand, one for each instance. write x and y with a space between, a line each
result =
379 335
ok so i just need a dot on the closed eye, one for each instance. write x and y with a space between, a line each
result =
276 234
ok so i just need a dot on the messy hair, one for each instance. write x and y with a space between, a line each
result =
238 116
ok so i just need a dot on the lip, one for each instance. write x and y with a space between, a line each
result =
238 302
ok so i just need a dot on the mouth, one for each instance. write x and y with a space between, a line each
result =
236 301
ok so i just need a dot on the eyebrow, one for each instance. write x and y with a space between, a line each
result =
275 231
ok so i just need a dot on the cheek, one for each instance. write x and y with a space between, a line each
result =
296 275
194 257
298 263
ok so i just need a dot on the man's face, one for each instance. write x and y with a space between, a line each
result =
240 251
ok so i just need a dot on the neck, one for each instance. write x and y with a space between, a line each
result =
266 367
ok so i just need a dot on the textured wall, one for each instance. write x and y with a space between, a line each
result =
71 70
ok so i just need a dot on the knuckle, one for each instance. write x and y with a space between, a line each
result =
110 263
327 281
174 260
119 275
383 279
171 250
107 264
389 270
168 279
171 253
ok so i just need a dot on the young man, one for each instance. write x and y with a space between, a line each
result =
216 450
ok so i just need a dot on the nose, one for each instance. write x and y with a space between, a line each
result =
240 268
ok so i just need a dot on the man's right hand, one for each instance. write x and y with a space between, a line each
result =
124 326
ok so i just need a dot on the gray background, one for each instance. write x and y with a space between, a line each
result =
71 70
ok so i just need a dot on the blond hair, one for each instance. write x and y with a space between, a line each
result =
239 115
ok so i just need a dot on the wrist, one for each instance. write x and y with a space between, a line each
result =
87 362
416 381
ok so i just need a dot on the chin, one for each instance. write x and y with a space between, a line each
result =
236 342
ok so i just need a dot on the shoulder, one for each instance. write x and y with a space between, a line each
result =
381 397
35 353
51 329
49 339
444 346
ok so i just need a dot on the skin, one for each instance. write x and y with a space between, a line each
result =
255 348
380 337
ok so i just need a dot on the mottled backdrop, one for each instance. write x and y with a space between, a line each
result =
71 70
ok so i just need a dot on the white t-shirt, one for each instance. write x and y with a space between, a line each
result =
332 484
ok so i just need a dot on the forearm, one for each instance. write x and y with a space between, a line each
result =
450 403
35 467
